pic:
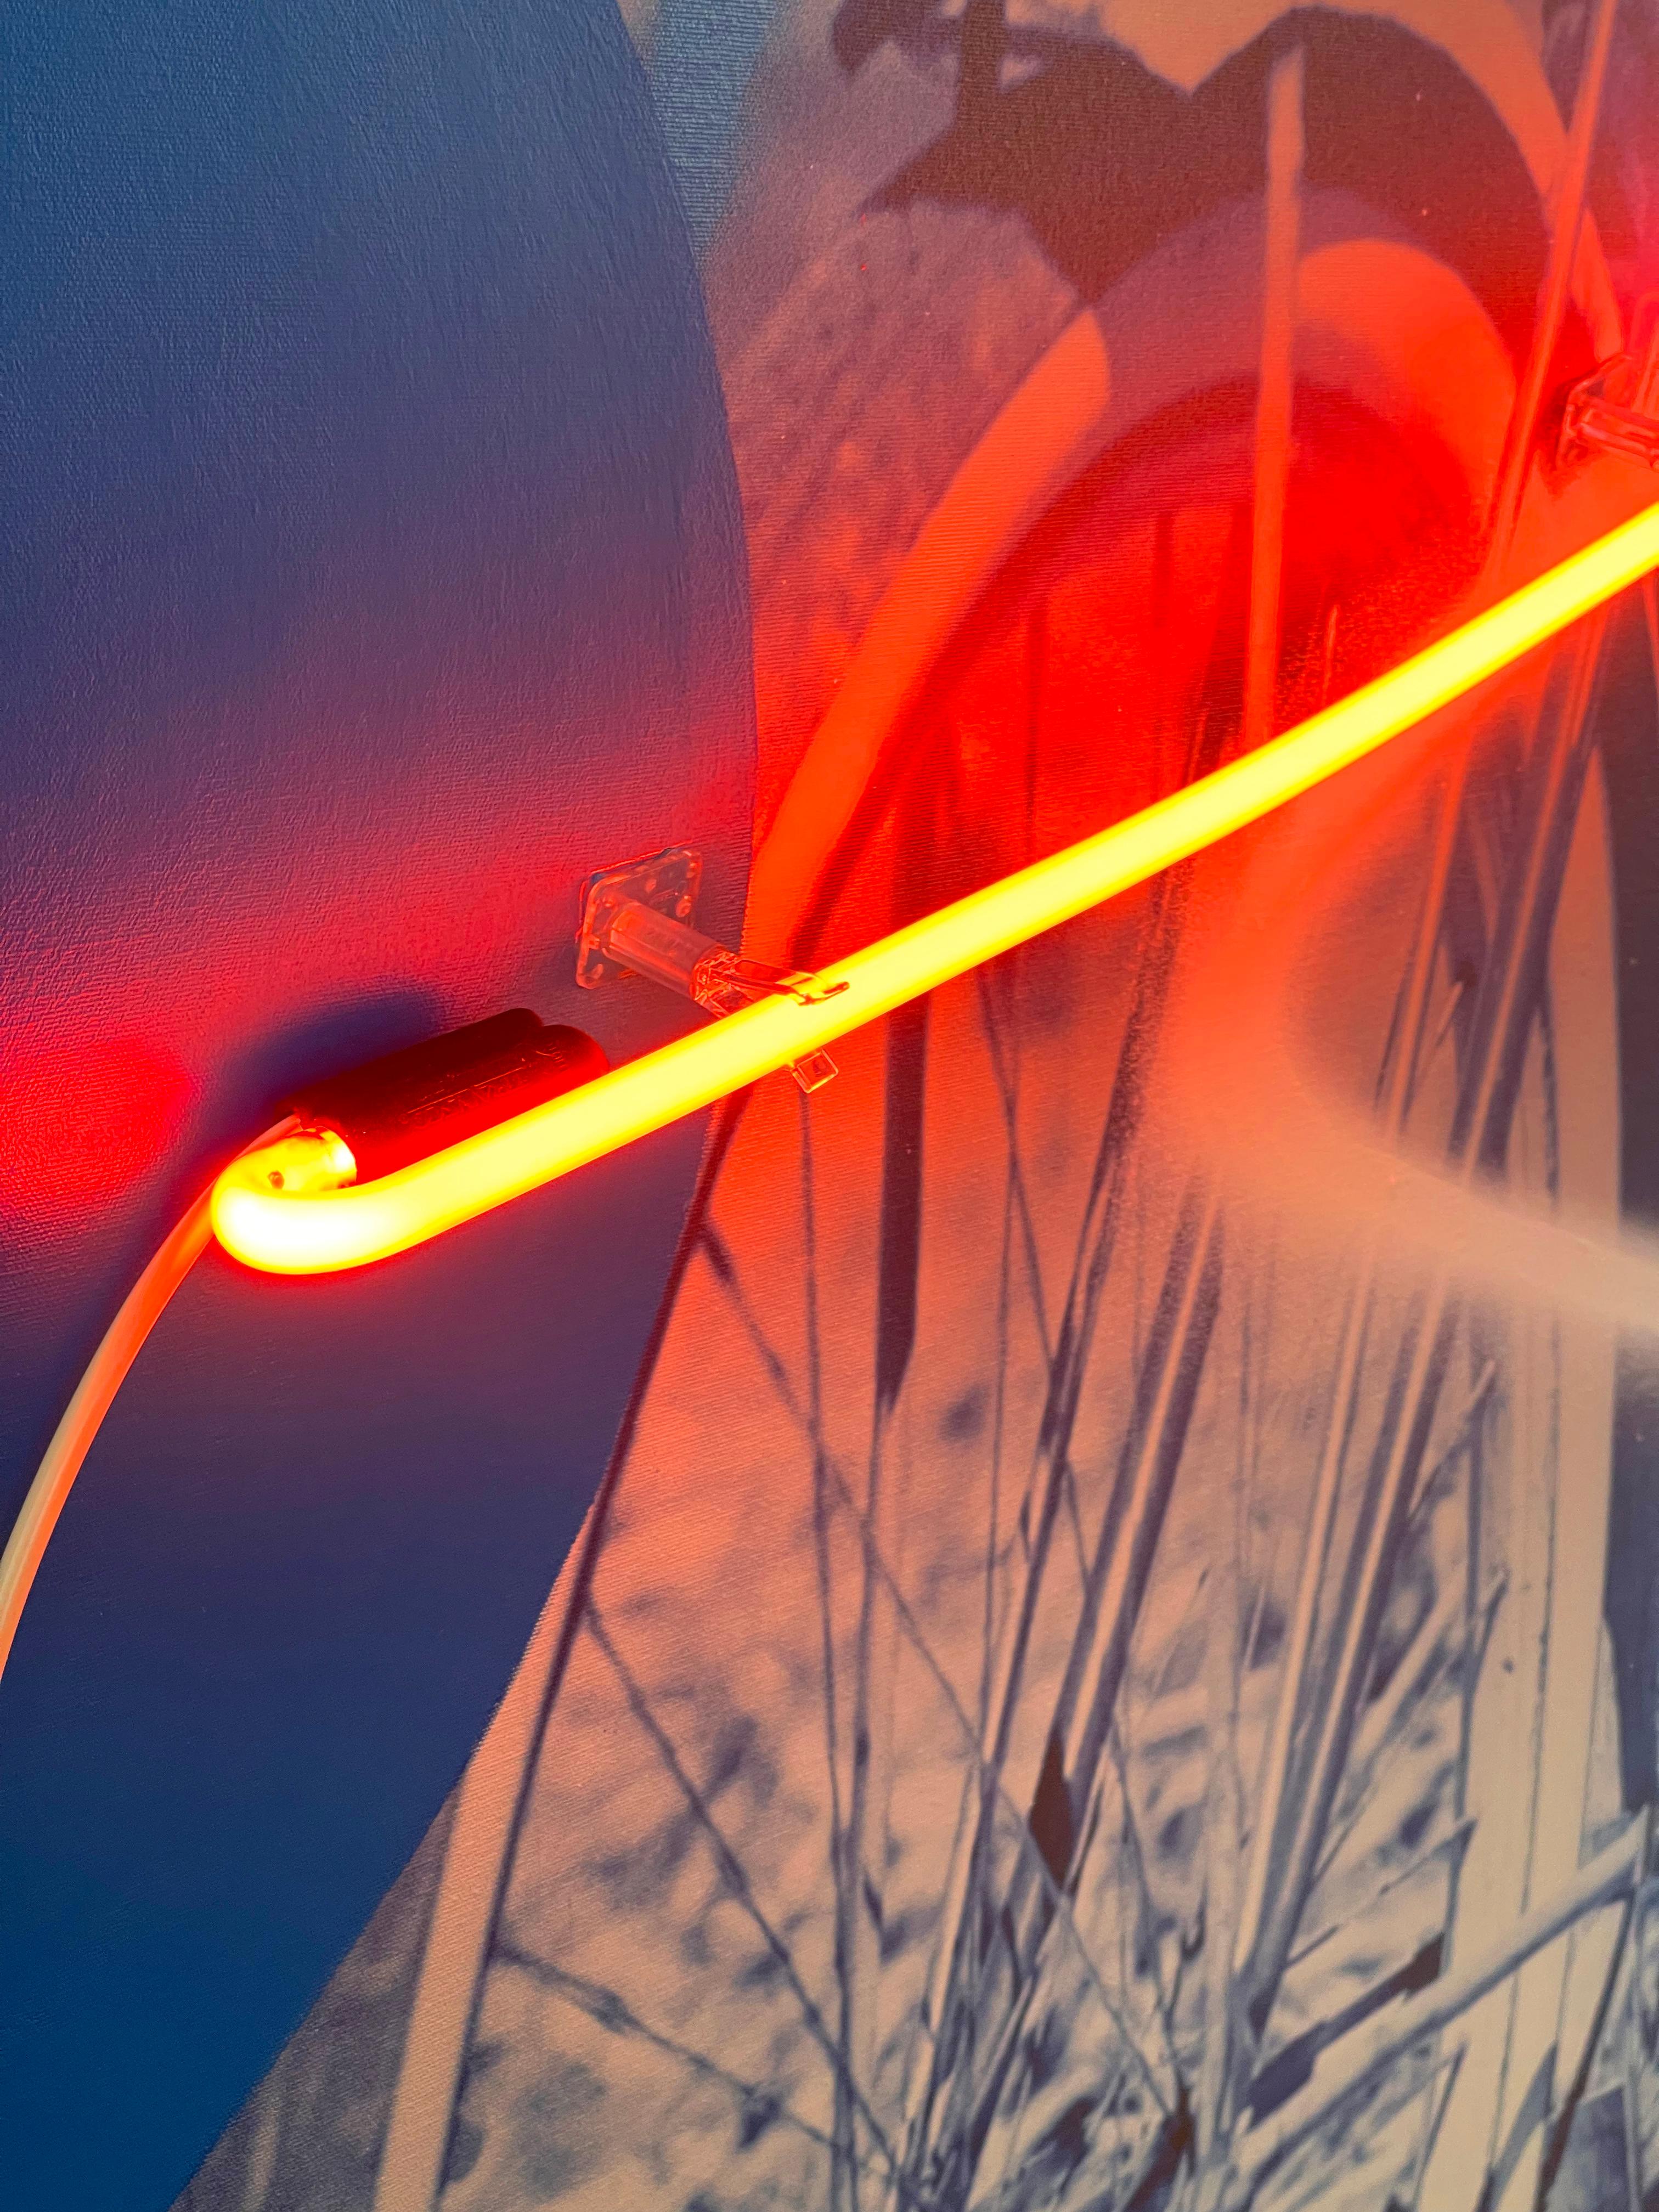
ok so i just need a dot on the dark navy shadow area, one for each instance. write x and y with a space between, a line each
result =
1629 752
370 571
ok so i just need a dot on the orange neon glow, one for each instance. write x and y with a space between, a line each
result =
291 1208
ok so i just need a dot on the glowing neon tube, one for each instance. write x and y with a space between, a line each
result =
291 1207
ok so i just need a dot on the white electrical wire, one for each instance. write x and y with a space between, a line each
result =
95 1394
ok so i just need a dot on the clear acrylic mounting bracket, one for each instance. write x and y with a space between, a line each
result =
637 920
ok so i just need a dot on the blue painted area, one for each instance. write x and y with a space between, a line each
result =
702 56
370 570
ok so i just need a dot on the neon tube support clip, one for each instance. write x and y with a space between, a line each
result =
1615 409
636 920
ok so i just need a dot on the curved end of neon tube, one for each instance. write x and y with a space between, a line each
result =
259 1207
295 1207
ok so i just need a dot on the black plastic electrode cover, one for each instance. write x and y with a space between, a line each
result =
409 1103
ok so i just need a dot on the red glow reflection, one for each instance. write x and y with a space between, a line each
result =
83 1120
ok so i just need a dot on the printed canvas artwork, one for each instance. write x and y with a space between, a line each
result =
1113 1661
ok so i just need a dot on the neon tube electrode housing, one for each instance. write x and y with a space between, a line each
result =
293 1207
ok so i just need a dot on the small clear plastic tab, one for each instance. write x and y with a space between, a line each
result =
1615 409
814 1071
